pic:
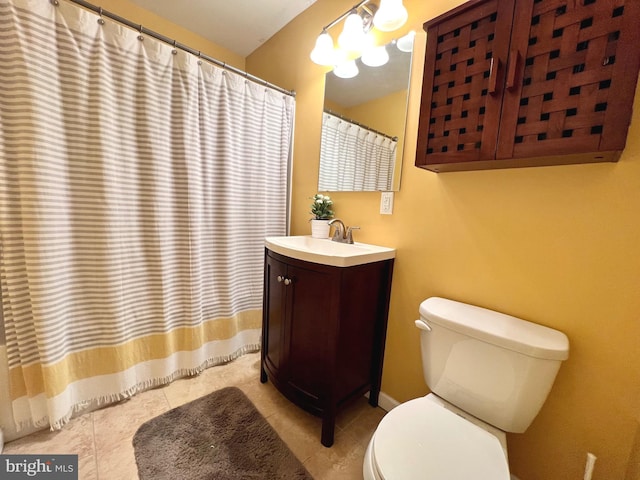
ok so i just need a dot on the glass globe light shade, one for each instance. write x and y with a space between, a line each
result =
322 53
347 69
405 44
390 16
352 36
375 56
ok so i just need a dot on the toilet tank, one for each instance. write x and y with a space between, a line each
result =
496 367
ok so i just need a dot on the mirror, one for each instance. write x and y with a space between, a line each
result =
363 125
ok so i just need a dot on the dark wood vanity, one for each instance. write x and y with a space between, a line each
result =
323 333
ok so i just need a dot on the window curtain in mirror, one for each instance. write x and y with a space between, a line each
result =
137 185
354 158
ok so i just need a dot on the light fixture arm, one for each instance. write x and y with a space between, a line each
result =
344 15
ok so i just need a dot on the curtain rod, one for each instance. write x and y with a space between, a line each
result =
346 119
175 44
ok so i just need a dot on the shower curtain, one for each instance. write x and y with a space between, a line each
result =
137 184
354 158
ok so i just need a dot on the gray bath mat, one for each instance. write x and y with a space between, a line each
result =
220 436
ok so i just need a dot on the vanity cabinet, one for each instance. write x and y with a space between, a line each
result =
323 333
513 83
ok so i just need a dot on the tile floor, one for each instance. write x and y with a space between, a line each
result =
102 439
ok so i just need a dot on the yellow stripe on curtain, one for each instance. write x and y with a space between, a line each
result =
109 360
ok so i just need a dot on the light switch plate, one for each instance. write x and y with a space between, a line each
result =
386 203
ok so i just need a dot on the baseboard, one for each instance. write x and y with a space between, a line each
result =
385 402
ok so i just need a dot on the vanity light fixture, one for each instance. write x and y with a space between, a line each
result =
354 38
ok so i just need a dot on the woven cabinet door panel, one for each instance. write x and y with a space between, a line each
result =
463 84
574 79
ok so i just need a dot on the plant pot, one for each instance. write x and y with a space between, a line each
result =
320 228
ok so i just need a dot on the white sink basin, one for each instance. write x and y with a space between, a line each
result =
327 252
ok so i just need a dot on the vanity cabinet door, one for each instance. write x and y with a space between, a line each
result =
299 324
274 351
312 300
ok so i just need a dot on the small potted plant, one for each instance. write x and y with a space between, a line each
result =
322 213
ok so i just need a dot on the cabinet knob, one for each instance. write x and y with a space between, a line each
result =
287 281
280 278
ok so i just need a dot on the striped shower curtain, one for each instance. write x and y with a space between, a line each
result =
354 158
137 184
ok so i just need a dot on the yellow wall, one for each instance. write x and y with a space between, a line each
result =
386 114
556 245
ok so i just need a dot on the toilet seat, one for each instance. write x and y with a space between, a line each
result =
422 440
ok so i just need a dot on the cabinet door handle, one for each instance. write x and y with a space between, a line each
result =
513 70
493 75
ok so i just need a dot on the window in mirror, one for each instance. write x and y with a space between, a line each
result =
364 123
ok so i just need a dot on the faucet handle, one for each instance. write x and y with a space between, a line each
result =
349 235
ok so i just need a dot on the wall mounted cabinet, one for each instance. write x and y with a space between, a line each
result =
513 83
323 333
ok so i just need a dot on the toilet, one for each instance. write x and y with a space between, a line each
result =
489 373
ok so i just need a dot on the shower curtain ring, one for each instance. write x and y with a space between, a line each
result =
174 51
100 20
140 37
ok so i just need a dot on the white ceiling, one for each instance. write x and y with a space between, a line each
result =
238 25
371 82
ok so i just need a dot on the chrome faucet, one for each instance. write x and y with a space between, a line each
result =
342 234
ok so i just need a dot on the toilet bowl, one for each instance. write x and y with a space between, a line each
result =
489 373
422 439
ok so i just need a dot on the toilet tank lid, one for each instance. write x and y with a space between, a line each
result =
496 328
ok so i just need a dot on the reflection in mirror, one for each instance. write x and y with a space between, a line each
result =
363 125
